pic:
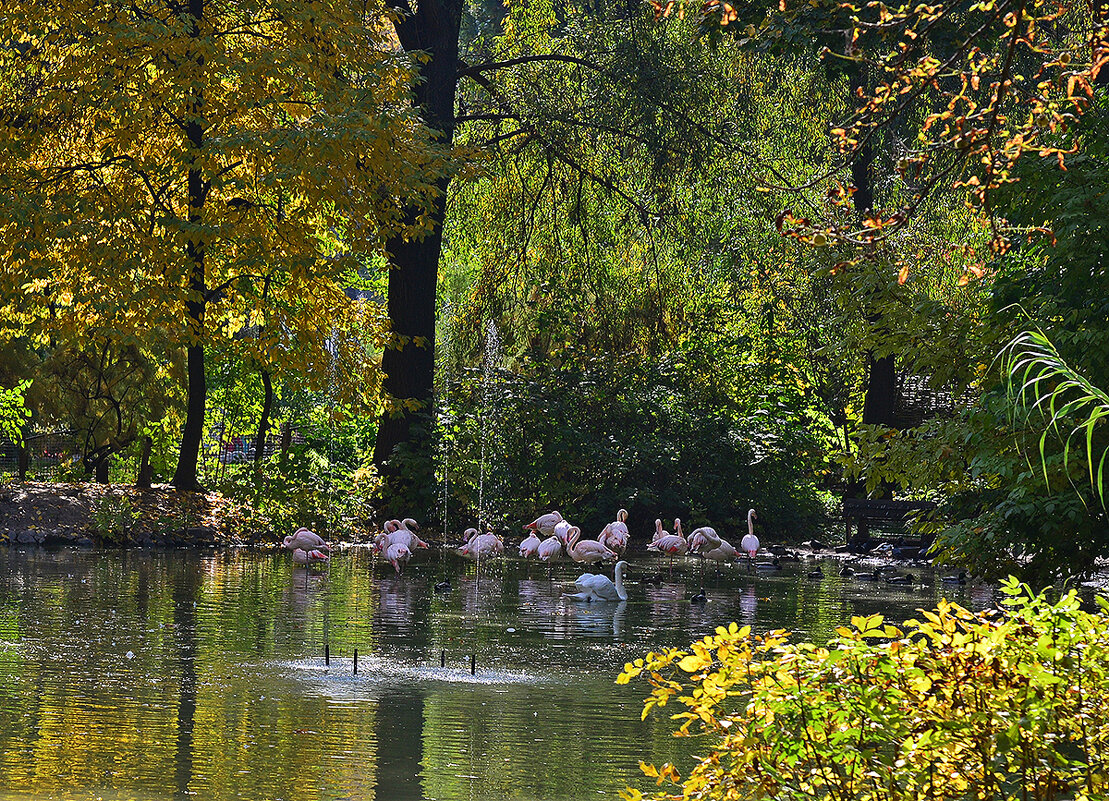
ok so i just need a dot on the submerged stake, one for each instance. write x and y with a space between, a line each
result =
473 663
355 661
326 655
442 659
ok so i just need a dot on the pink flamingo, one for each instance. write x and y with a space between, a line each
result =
481 546
411 527
544 524
530 546
750 543
587 551
314 556
615 534
671 544
305 540
550 549
398 554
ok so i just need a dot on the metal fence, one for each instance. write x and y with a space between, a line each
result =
57 455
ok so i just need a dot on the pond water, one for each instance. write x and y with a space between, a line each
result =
176 674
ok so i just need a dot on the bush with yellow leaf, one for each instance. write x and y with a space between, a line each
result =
956 705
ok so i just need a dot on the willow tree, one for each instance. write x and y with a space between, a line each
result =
178 172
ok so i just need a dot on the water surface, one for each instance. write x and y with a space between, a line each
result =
178 674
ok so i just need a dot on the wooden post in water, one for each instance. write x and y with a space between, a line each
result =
355 661
326 655
442 659
473 664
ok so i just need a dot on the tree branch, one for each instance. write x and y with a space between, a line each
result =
470 71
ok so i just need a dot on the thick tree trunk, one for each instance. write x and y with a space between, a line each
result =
263 420
102 468
184 477
410 367
881 373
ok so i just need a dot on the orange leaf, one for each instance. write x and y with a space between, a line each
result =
903 276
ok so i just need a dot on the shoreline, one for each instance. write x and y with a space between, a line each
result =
119 515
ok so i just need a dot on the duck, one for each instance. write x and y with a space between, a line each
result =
815 575
846 570
444 586
864 576
772 565
699 598
899 578
598 587
653 581
960 578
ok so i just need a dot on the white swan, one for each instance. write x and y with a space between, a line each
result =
595 587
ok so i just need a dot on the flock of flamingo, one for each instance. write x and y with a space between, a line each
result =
549 535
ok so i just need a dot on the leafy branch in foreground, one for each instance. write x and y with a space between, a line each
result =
1040 380
956 705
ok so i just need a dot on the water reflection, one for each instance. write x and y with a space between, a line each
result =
226 695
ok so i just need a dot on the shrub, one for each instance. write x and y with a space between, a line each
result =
959 705
113 518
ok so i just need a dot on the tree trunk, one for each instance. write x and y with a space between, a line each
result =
102 468
881 373
286 439
410 367
263 420
146 474
184 477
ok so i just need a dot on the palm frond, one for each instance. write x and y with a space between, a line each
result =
1040 380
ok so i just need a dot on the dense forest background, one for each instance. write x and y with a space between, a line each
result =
478 260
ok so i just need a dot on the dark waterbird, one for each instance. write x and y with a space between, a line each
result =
900 578
699 598
961 578
443 586
816 575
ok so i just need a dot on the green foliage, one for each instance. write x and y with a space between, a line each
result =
113 518
595 437
956 705
1039 380
13 413
323 484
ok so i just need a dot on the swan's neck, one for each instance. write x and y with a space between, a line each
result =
621 592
